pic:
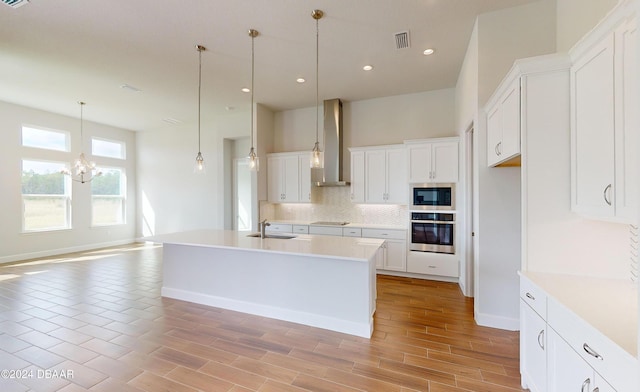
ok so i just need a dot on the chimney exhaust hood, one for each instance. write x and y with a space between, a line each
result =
331 174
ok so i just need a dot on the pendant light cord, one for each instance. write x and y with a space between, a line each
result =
317 77
199 92
253 36
81 121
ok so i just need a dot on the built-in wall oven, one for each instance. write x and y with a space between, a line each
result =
432 232
439 196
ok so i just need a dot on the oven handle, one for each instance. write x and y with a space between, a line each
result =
430 221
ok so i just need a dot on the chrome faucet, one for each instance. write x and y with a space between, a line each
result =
263 226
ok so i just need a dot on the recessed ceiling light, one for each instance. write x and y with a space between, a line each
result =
300 80
246 90
130 88
171 120
368 67
230 108
428 52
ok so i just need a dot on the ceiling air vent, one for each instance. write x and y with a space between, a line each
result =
15 3
402 40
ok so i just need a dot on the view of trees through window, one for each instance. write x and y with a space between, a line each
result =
44 195
108 198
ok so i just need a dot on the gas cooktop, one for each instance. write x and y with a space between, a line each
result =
330 223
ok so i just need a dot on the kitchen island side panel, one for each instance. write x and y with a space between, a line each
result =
332 293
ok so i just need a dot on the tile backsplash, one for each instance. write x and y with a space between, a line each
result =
334 204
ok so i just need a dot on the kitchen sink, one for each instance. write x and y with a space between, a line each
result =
280 236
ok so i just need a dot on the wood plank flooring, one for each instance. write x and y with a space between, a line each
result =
96 321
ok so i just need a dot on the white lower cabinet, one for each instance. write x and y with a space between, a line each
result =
569 372
395 248
561 352
533 344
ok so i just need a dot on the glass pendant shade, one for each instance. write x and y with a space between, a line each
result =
199 167
317 157
253 160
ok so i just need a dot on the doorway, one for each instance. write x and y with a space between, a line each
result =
242 191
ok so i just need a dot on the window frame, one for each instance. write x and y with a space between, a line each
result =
66 197
67 138
122 143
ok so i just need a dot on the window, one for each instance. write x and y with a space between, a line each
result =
47 139
106 148
108 197
46 196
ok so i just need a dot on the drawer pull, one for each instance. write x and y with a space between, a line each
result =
541 339
530 296
596 389
592 352
585 384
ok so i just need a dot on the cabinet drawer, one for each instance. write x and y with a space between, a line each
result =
385 234
608 359
280 228
326 230
351 232
302 229
533 296
432 265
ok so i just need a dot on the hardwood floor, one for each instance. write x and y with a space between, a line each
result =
96 321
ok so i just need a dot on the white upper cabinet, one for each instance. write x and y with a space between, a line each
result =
433 160
503 126
379 175
357 176
289 178
604 125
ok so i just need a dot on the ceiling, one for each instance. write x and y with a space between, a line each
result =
55 53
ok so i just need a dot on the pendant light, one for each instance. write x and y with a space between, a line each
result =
199 167
317 158
254 161
83 170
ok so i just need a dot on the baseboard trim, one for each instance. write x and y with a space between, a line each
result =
60 251
493 321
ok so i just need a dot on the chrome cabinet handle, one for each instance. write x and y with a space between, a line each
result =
530 296
585 384
541 339
496 149
604 194
596 389
592 352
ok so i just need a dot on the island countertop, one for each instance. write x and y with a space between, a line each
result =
352 248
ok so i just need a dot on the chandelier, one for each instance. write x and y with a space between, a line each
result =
82 170
254 161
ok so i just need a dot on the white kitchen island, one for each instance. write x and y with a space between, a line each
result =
325 282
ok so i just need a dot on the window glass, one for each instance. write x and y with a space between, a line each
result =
108 200
40 138
45 196
106 148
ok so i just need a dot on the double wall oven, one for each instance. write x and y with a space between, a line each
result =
432 218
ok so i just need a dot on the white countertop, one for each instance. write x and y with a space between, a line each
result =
350 225
352 248
609 305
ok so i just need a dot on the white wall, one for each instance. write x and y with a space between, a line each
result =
172 197
502 37
388 120
15 245
576 17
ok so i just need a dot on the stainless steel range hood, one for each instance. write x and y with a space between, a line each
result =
331 175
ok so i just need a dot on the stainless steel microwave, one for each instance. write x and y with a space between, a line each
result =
437 196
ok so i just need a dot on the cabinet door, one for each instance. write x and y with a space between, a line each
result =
592 89
396 176
533 355
509 146
444 163
290 177
420 163
567 371
357 177
494 135
274 178
375 176
304 178
626 112
396 255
